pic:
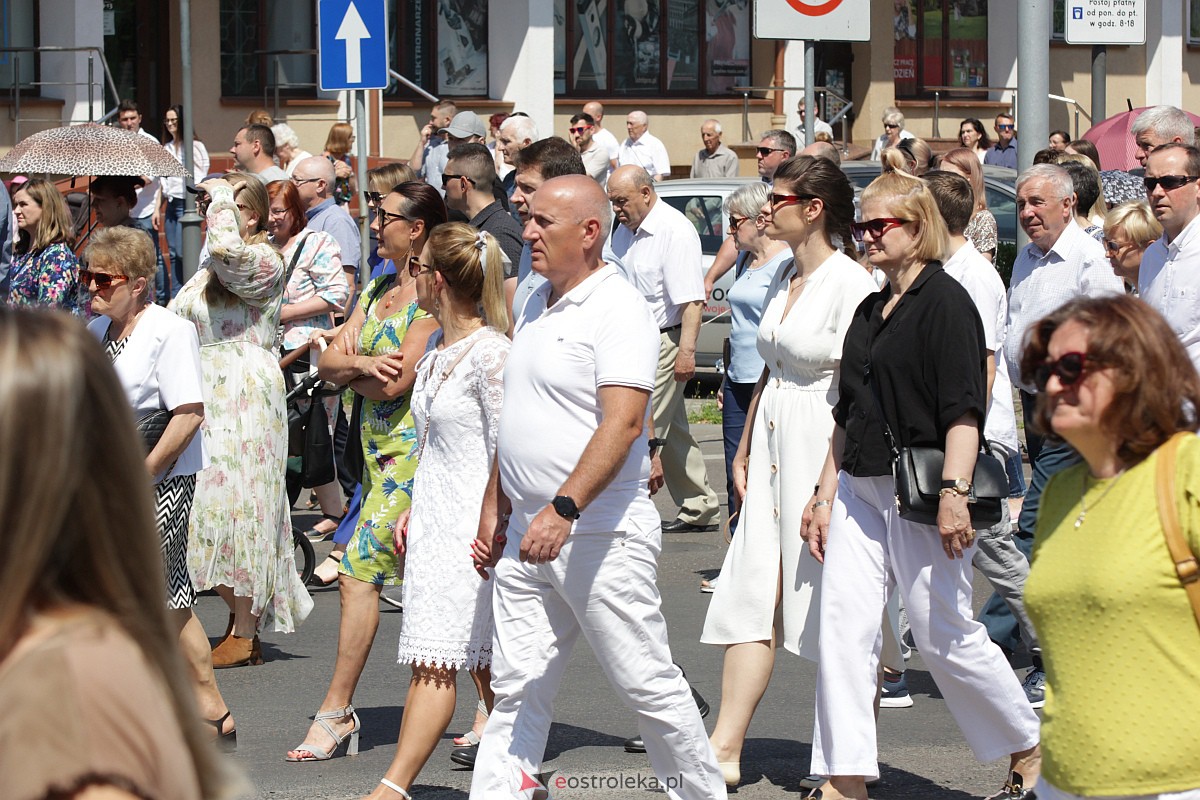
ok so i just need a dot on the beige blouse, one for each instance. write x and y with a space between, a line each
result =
83 707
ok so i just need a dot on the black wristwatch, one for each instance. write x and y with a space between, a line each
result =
565 507
657 444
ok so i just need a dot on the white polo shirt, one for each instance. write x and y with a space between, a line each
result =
1169 280
598 334
648 152
983 283
662 260
609 142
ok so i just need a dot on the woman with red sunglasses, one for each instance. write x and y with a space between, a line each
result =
913 366
1116 384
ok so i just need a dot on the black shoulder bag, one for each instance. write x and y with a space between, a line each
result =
917 472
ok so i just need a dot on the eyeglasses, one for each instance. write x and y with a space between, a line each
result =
447 177
374 199
876 227
1004 127
580 129
302 181
782 200
890 125
1169 182
766 151
1115 247
387 217
102 280
1069 368
415 267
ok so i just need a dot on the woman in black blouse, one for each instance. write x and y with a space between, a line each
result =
915 348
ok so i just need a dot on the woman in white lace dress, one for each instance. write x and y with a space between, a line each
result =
456 408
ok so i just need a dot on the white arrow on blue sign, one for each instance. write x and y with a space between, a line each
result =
352 44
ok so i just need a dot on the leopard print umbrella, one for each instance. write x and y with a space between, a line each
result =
91 149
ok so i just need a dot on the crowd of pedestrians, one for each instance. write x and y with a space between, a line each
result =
532 285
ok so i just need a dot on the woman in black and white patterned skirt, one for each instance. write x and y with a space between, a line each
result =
156 355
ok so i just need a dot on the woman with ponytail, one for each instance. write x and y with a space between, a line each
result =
456 404
787 431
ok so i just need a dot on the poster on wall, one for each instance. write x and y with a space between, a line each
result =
636 46
1193 22
462 47
728 38
590 65
904 31
683 57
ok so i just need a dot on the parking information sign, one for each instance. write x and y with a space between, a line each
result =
813 20
1106 21
352 44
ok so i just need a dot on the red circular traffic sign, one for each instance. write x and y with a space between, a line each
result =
814 11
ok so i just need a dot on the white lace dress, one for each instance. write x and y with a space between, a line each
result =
447 606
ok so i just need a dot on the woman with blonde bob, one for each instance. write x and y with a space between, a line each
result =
456 403
913 361
981 231
1129 229
84 636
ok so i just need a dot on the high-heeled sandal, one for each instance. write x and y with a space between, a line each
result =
319 753
471 738
316 580
226 741
391 785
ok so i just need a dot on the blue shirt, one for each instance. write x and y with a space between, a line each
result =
337 222
747 298
1002 156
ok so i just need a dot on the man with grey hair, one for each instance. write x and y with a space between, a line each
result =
567 521
659 250
644 149
1060 263
714 160
1159 126
823 150
517 133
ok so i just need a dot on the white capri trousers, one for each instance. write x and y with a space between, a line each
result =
605 586
870 552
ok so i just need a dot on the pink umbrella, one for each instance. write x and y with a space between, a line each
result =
1114 141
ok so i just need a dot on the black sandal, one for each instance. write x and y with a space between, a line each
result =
315 535
225 742
315 580
1014 789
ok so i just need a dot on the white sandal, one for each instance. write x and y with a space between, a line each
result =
471 738
395 788
319 753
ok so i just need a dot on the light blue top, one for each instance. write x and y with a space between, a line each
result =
747 298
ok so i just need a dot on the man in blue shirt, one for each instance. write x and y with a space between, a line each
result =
314 178
1004 152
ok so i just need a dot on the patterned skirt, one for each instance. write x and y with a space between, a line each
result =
172 509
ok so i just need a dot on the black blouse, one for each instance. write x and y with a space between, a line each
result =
929 363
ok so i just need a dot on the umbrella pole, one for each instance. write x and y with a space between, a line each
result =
190 221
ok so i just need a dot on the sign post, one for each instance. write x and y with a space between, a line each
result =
812 21
352 44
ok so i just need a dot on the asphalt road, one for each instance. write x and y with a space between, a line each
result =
921 749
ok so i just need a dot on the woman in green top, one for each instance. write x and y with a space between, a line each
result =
1115 383
375 354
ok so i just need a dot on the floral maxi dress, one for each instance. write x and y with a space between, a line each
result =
241 527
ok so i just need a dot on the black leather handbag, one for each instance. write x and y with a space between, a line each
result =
151 426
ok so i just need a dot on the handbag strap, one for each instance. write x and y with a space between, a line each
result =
1186 566
295 259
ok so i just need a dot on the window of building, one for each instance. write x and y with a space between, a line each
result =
265 44
1193 22
651 47
441 46
18 28
939 43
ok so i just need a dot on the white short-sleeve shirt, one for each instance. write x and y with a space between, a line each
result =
1169 280
648 152
609 142
598 334
159 367
662 259
983 283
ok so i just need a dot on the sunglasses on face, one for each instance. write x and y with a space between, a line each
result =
763 152
736 222
1169 182
876 227
102 280
1115 247
374 199
782 200
446 178
891 126
415 267
302 181
581 129
1004 127
387 217
1069 369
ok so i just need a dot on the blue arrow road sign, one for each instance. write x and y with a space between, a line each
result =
352 44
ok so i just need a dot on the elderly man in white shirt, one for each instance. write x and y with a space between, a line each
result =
1060 263
1169 278
644 149
659 250
581 368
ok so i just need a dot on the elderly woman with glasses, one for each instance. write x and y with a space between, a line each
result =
893 132
1129 229
241 527
808 307
913 365
375 354
156 355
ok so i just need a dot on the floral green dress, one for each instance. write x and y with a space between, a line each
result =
241 527
389 442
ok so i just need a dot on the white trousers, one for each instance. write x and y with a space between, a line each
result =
870 552
603 585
